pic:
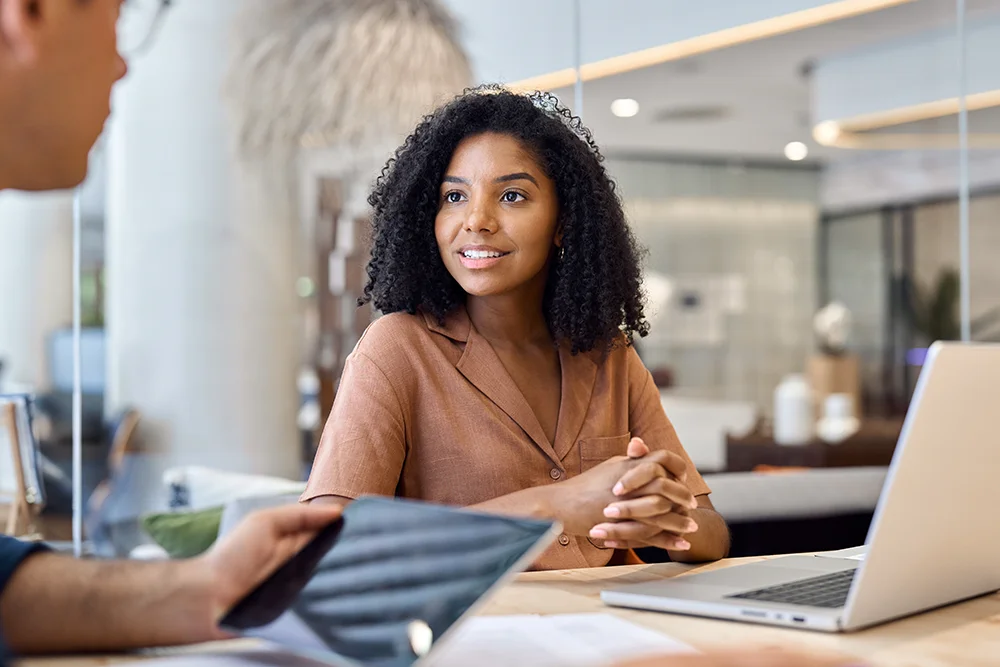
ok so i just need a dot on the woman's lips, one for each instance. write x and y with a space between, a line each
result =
480 257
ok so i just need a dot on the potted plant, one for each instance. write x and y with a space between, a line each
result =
934 311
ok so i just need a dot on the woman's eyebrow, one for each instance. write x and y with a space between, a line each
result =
520 176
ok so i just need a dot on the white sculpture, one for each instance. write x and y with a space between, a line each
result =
832 325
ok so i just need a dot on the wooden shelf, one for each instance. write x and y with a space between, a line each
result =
872 445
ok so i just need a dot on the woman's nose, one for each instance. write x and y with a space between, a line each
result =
480 220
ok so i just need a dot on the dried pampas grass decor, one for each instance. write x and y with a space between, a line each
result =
348 75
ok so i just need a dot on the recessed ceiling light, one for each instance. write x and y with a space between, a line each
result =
796 151
625 107
827 132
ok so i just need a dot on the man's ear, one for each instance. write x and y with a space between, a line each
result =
20 26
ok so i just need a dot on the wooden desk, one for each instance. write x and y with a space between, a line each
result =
966 635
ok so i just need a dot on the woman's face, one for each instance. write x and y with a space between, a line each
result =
496 224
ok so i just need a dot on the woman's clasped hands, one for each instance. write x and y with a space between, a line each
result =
632 501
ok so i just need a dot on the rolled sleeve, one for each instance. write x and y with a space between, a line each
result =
648 421
363 446
13 552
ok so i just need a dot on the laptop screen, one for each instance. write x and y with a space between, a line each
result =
382 589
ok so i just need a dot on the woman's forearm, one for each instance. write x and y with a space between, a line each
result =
535 503
710 542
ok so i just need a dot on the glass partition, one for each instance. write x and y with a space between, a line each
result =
791 168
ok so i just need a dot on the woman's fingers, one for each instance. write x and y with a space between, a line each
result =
659 540
639 476
636 448
658 464
640 508
640 530
623 531
673 491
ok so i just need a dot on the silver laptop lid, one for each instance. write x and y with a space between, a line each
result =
932 540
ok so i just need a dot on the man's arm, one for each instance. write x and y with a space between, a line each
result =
57 604
54 603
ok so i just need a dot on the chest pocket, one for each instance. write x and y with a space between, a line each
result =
594 451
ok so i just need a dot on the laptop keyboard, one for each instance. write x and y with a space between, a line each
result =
828 591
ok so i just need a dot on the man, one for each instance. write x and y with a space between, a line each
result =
58 63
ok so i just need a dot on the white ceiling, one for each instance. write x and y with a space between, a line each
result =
748 101
757 91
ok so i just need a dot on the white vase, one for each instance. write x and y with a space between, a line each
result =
794 422
838 422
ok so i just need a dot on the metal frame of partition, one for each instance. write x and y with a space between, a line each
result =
897 253
888 216
898 239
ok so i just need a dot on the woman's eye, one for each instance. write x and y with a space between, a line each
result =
453 197
512 197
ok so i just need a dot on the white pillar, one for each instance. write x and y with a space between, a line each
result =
36 283
202 313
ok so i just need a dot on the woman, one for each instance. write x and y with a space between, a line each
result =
502 376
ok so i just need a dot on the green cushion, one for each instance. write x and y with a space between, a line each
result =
184 534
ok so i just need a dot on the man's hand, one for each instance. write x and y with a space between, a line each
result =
257 547
55 604
653 506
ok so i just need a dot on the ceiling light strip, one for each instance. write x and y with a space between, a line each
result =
685 48
917 112
896 142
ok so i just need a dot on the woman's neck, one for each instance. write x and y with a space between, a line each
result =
509 318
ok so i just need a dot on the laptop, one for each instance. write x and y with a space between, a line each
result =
932 540
388 584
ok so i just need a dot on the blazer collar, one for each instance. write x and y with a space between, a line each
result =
482 367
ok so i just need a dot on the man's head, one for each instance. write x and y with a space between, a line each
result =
58 62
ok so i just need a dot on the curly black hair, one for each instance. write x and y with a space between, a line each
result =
593 294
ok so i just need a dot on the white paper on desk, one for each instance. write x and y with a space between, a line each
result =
262 657
565 640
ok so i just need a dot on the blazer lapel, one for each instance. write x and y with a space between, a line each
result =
579 373
483 368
